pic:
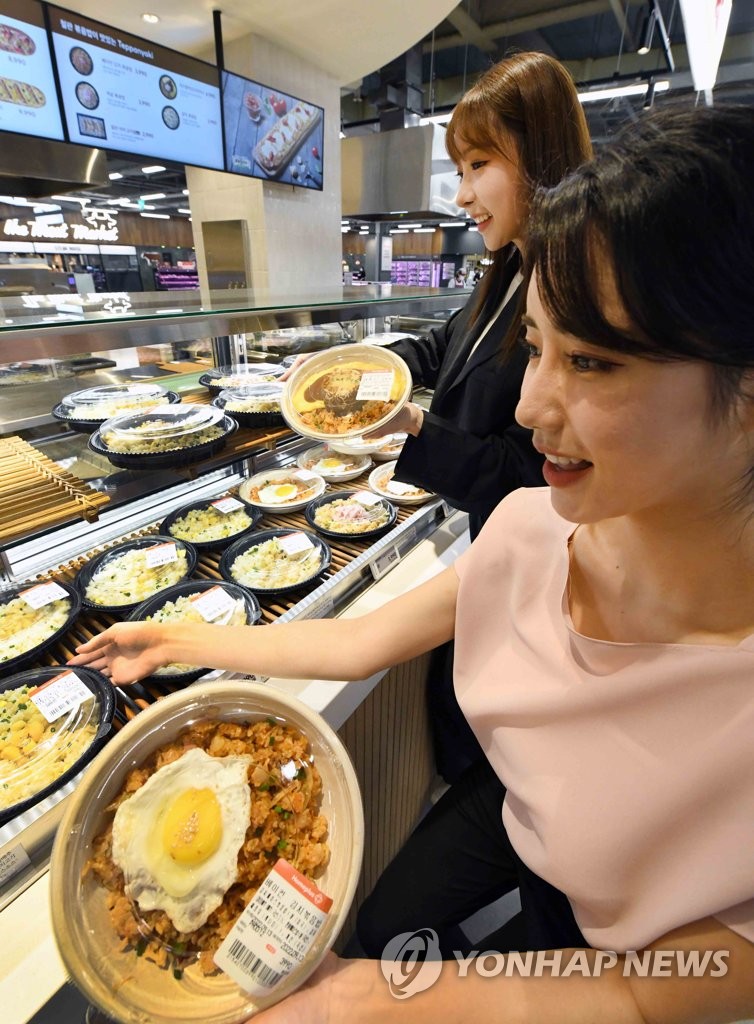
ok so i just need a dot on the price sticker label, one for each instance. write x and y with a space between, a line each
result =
213 604
375 386
42 594
226 505
396 487
295 543
384 562
305 474
161 554
12 861
367 499
275 932
59 695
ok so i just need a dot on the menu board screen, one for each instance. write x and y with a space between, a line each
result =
28 100
124 93
270 134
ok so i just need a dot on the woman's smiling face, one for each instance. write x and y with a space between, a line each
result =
493 193
624 435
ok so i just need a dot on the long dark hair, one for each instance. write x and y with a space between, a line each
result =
668 210
526 108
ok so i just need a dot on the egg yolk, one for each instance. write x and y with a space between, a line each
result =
285 491
192 827
330 463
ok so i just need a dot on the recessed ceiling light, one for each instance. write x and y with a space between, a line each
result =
151 19
185 192
154 195
157 216
182 209
114 175
152 169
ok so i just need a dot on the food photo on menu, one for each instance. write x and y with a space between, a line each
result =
271 135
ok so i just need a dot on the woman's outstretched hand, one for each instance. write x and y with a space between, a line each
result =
126 652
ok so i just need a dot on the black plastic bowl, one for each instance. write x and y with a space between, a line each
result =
87 426
210 545
14 664
185 589
253 419
105 694
327 499
85 574
240 546
165 460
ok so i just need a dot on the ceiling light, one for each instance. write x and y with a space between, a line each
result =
154 195
397 213
185 191
152 169
114 175
157 216
151 19
409 226
614 92
424 231
183 209
344 231
648 31
705 28
473 227
436 119
399 231
454 224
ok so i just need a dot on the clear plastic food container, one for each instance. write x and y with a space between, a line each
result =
381 481
333 465
240 375
345 392
275 561
284 490
163 428
252 404
103 403
298 768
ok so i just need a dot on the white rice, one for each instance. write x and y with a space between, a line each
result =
206 524
266 566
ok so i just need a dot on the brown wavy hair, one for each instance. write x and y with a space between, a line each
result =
526 108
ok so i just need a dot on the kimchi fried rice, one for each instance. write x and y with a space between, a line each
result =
286 792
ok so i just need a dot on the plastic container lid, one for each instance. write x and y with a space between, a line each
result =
282 489
241 374
135 989
161 428
346 391
254 398
275 560
351 514
333 465
49 739
381 481
102 403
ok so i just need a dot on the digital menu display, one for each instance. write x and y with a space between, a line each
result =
124 93
28 100
270 134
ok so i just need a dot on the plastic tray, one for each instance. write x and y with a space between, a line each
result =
86 573
229 556
210 545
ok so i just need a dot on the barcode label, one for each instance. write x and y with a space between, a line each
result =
42 594
160 554
253 965
375 386
60 695
384 562
295 543
226 505
276 931
213 603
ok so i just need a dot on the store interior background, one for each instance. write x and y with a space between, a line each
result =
346 61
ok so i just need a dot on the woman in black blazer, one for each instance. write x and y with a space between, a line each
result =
520 127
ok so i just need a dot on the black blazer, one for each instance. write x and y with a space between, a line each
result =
470 449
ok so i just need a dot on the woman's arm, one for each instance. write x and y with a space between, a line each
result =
320 648
345 991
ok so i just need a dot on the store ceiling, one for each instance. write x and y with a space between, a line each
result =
594 38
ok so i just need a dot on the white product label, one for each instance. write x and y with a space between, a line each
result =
213 603
59 695
295 543
226 505
275 932
367 499
13 861
384 562
375 386
396 487
305 474
160 554
42 594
